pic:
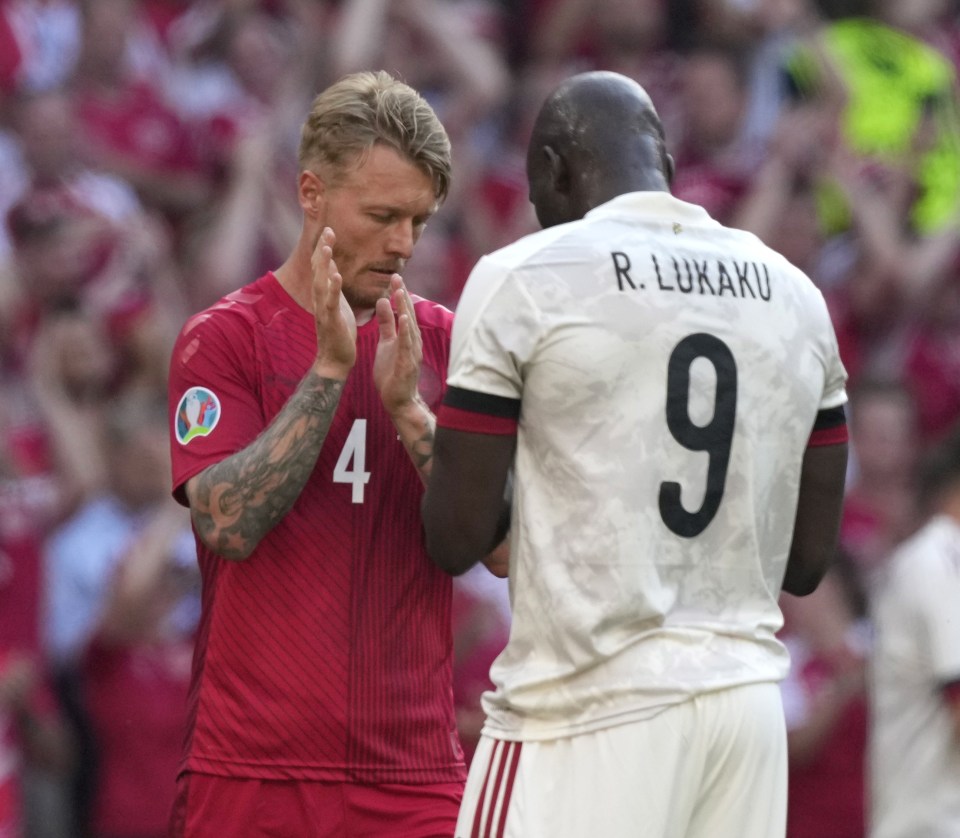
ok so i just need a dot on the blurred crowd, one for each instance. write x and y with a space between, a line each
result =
148 167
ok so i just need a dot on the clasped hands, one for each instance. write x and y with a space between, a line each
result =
396 366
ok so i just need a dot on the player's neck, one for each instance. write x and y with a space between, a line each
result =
296 278
949 503
362 315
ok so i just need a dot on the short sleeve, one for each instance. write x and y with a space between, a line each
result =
835 374
215 409
496 331
940 611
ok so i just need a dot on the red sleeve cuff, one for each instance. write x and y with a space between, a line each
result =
830 428
478 413
829 436
457 419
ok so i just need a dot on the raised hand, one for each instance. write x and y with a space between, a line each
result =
336 324
396 368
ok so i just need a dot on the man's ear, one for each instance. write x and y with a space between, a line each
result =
310 192
670 168
559 172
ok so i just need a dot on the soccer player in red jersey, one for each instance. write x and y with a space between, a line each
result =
302 428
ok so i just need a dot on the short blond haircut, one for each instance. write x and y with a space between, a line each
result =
368 108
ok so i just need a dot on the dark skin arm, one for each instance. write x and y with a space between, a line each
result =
464 513
953 704
817 523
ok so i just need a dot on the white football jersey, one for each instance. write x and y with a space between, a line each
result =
669 372
914 754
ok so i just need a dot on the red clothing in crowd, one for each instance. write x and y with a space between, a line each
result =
25 495
826 794
136 126
136 698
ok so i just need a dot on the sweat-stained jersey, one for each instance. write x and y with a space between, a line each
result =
664 375
327 654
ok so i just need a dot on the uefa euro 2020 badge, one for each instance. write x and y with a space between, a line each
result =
197 414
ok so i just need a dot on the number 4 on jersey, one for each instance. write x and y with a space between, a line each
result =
353 460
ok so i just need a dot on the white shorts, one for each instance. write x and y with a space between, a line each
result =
711 767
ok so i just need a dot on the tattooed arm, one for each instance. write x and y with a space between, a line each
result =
396 372
416 427
237 501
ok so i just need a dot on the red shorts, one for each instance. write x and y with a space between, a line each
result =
229 807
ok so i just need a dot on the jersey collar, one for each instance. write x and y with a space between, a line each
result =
657 206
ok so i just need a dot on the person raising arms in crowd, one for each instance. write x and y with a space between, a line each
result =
302 429
669 395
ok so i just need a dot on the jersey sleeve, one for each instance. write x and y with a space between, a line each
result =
830 427
835 374
215 410
496 330
940 595
436 323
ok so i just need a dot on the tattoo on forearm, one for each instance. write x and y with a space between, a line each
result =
240 499
417 430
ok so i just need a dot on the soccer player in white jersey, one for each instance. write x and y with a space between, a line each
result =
669 396
915 669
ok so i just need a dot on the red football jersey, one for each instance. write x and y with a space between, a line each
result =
327 653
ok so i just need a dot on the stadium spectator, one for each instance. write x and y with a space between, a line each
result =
82 241
770 30
451 51
30 734
899 105
66 224
637 39
933 21
126 127
713 163
267 68
40 44
134 667
443 47
135 677
880 506
915 668
82 556
780 202
825 704
34 747
499 205
931 363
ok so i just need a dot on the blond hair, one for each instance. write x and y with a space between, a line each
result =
364 109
